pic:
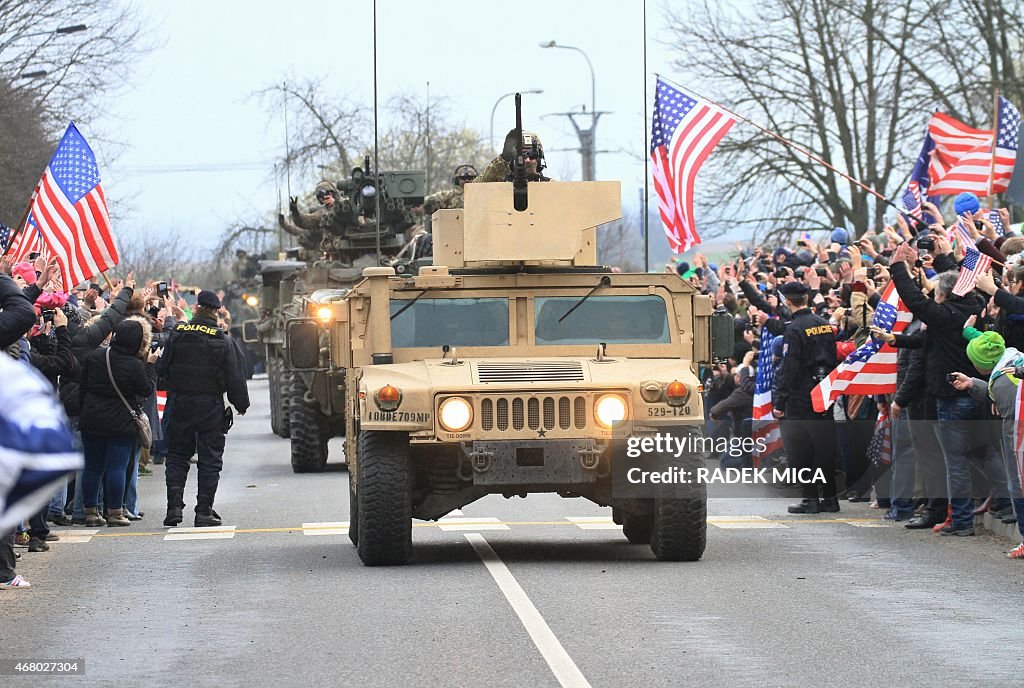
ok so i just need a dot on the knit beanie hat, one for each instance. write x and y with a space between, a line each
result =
984 348
26 271
840 236
966 203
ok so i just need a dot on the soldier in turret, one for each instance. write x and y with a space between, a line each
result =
500 169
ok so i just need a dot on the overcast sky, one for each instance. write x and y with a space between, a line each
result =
189 107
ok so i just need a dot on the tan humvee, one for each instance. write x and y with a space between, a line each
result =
514 365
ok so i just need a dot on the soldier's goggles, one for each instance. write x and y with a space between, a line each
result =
321 195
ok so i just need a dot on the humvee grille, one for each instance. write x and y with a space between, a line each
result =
530 371
560 411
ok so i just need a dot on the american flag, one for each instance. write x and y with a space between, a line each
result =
912 201
5 236
997 222
871 368
962 233
963 159
26 242
765 425
684 131
71 211
975 262
883 427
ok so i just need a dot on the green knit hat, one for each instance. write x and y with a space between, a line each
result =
984 348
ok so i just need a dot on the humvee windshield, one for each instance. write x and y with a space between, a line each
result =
612 319
456 322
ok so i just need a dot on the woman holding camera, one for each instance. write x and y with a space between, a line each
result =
109 430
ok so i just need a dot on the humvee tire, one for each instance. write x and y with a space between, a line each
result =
637 528
384 507
284 385
680 526
307 431
274 385
353 512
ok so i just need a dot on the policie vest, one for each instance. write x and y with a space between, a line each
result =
198 358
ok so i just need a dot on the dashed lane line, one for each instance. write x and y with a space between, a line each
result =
325 528
454 524
558 660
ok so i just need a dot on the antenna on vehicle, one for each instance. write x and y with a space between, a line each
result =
376 167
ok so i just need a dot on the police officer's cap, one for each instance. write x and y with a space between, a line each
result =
208 299
793 289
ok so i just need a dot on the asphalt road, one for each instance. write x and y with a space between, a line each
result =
514 594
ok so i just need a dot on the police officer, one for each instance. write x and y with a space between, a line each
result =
199 365
809 355
500 169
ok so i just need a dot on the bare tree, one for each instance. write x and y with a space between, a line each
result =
855 81
161 256
27 147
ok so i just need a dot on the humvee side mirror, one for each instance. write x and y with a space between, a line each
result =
303 342
249 332
723 334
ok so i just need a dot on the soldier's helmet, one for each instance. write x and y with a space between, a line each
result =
324 189
463 174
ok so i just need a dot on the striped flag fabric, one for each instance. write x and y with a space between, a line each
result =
684 131
26 242
880 448
974 263
963 158
961 232
765 426
871 368
912 201
71 211
161 403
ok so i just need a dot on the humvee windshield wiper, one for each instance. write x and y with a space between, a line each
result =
605 281
404 308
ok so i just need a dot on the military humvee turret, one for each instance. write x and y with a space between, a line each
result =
514 365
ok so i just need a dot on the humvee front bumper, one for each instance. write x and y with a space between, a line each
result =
535 462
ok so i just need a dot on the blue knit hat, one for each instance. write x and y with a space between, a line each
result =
777 343
966 203
840 236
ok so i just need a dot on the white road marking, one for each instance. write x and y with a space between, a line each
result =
738 522
565 670
217 533
469 523
454 514
868 524
78 535
325 528
594 522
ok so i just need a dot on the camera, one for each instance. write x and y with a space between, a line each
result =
33 255
926 243
820 272
801 242
781 273
950 378
161 290
48 315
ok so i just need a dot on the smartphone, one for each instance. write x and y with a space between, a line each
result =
161 290
95 286
33 255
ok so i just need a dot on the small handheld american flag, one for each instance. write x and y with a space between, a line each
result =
765 425
975 262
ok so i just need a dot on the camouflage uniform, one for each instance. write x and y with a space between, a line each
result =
447 198
325 222
308 239
500 169
497 170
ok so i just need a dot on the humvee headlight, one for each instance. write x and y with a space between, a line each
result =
651 392
324 313
388 398
677 393
252 301
610 410
455 414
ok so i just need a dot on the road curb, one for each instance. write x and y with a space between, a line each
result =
997 527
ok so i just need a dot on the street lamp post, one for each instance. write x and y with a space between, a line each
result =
498 102
60 31
588 137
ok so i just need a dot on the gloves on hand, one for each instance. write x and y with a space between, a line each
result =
293 205
508 153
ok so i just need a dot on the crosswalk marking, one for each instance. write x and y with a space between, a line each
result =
218 533
740 522
471 524
71 537
325 528
594 522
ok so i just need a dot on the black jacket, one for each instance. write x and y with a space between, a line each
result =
199 359
17 315
945 350
85 340
910 384
1010 323
53 356
740 403
103 412
810 355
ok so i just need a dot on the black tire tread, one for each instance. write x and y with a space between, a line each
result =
384 507
680 527
308 439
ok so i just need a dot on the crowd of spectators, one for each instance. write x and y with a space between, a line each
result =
93 345
951 414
